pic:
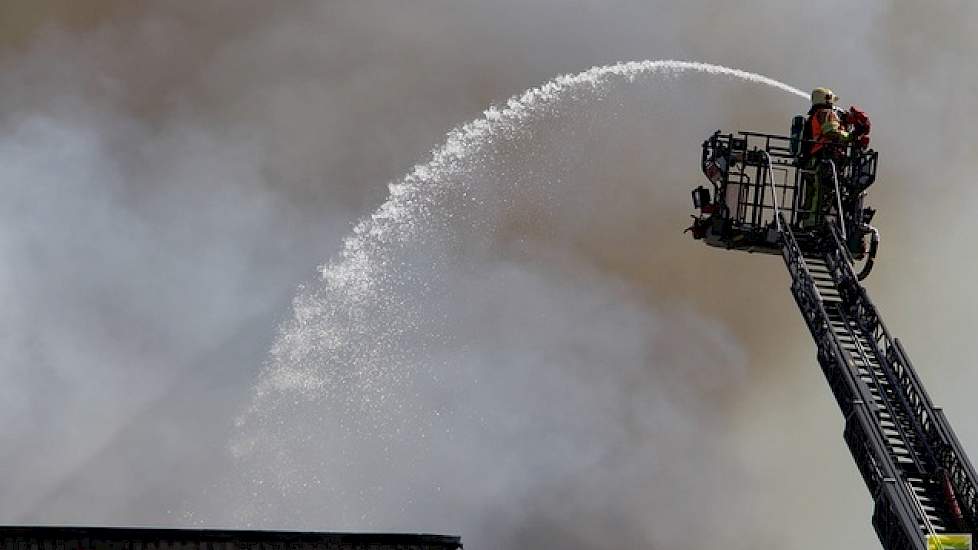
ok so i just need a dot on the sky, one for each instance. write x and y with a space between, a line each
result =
560 365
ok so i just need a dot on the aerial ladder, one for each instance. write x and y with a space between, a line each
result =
765 198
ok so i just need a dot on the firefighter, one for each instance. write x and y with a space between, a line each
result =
826 135
824 125
824 129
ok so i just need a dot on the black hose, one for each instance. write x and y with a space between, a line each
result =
874 245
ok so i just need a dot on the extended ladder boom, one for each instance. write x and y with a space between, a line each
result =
915 468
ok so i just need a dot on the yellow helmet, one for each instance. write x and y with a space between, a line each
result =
823 95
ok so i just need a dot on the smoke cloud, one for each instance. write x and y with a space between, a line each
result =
564 369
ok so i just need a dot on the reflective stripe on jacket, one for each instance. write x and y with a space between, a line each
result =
826 127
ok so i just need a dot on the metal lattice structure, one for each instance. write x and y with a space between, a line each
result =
916 470
919 476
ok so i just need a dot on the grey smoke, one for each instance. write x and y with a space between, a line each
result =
171 173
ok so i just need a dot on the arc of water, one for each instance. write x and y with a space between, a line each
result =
354 279
391 221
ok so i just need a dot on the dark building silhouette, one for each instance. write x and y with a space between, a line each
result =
112 538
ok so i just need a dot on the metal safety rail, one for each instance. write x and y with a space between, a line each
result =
741 168
913 465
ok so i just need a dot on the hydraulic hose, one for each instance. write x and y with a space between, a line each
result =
874 244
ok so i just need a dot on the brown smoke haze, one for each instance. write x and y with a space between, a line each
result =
577 373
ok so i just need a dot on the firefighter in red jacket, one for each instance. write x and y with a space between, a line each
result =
827 132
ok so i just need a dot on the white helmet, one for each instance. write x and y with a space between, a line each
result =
823 96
